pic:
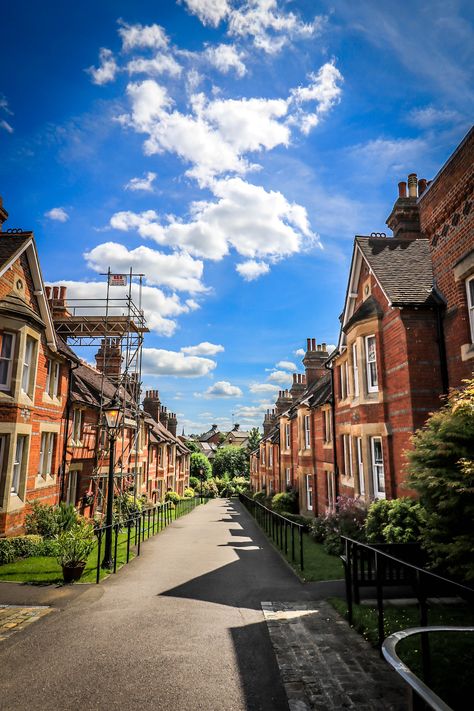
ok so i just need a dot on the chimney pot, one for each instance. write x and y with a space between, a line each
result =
402 189
47 290
308 344
313 344
62 292
412 185
421 186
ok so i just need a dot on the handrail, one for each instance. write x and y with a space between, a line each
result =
417 685
274 513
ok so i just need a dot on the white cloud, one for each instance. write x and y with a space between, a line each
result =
145 183
429 116
178 271
300 352
210 12
225 57
57 213
107 69
252 269
256 223
205 348
157 361
286 365
222 389
253 411
280 376
324 90
142 36
6 126
160 64
149 103
160 309
382 157
263 388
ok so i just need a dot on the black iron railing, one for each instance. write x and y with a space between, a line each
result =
279 528
139 527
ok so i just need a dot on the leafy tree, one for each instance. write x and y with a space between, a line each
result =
441 470
199 461
253 440
192 446
230 460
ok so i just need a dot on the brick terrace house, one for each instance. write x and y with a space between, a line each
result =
33 384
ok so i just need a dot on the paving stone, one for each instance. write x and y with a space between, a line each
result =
13 618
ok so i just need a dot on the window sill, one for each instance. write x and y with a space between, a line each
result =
467 351
43 481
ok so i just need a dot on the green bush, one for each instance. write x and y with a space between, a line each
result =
394 521
230 460
319 529
189 493
172 496
48 547
20 547
76 544
7 553
209 489
66 516
347 520
198 462
194 482
42 520
304 521
260 496
285 502
125 507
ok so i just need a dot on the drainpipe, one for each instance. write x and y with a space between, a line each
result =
328 366
440 306
66 434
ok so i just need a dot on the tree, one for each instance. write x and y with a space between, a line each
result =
197 462
253 440
230 460
441 470
192 446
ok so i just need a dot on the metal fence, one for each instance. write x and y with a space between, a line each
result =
279 528
139 527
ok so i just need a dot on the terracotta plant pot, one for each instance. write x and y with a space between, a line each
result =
71 573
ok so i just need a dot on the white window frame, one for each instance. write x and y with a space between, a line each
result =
307 431
270 456
53 378
360 466
378 468
372 387
288 476
76 436
331 489
327 426
263 455
309 492
347 447
27 366
19 462
470 304
287 435
47 448
355 370
9 358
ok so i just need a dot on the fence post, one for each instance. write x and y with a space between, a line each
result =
138 526
379 582
99 546
293 542
115 547
348 576
301 548
129 531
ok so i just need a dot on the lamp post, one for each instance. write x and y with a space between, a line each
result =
201 474
113 416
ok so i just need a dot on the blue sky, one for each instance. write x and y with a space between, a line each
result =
230 150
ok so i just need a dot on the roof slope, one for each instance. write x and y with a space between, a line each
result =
11 246
402 267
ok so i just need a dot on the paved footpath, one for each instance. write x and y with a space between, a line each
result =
179 629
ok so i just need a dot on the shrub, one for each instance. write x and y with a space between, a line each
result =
194 482
48 547
305 521
125 507
7 553
197 462
66 516
76 544
172 496
230 460
209 489
42 520
319 529
285 502
21 547
260 496
189 493
395 521
347 520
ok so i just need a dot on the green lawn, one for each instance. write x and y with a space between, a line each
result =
451 653
47 570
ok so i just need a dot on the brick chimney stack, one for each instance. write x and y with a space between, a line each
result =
164 416
314 359
172 423
109 356
152 404
404 220
298 386
283 402
56 297
3 213
268 422
236 428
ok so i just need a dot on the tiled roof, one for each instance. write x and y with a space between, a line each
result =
369 307
402 267
10 244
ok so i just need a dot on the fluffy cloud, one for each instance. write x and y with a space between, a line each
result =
210 12
157 361
381 157
430 116
205 348
225 57
57 213
324 90
253 411
177 271
280 376
107 69
145 183
286 365
222 389
160 309
142 36
252 269
300 352
256 388
159 64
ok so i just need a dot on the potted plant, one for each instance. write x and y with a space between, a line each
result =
75 546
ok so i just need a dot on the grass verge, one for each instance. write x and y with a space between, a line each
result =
451 653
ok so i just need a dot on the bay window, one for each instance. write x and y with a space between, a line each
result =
287 436
307 432
19 463
470 304
7 343
360 466
378 474
355 370
371 364
27 376
309 492
347 450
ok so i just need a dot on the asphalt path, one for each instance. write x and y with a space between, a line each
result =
178 629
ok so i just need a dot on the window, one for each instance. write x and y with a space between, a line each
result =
170 455
331 489
371 364
53 378
3 451
470 304
355 370
160 456
309 492
342 380
378 475
71 488
48 440
360 466
77 427
327 424
347 449
307 432
270 456
263 455
287 436
18 464
7 342
28 361
288 476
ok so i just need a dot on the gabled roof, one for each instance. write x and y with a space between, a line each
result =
207 435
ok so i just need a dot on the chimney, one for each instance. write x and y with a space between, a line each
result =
268 422
132 385
172 423
299 386
422 185
404 220
152 405
3 214
164 416
283 402
109 356
57 300
236 428
314 359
